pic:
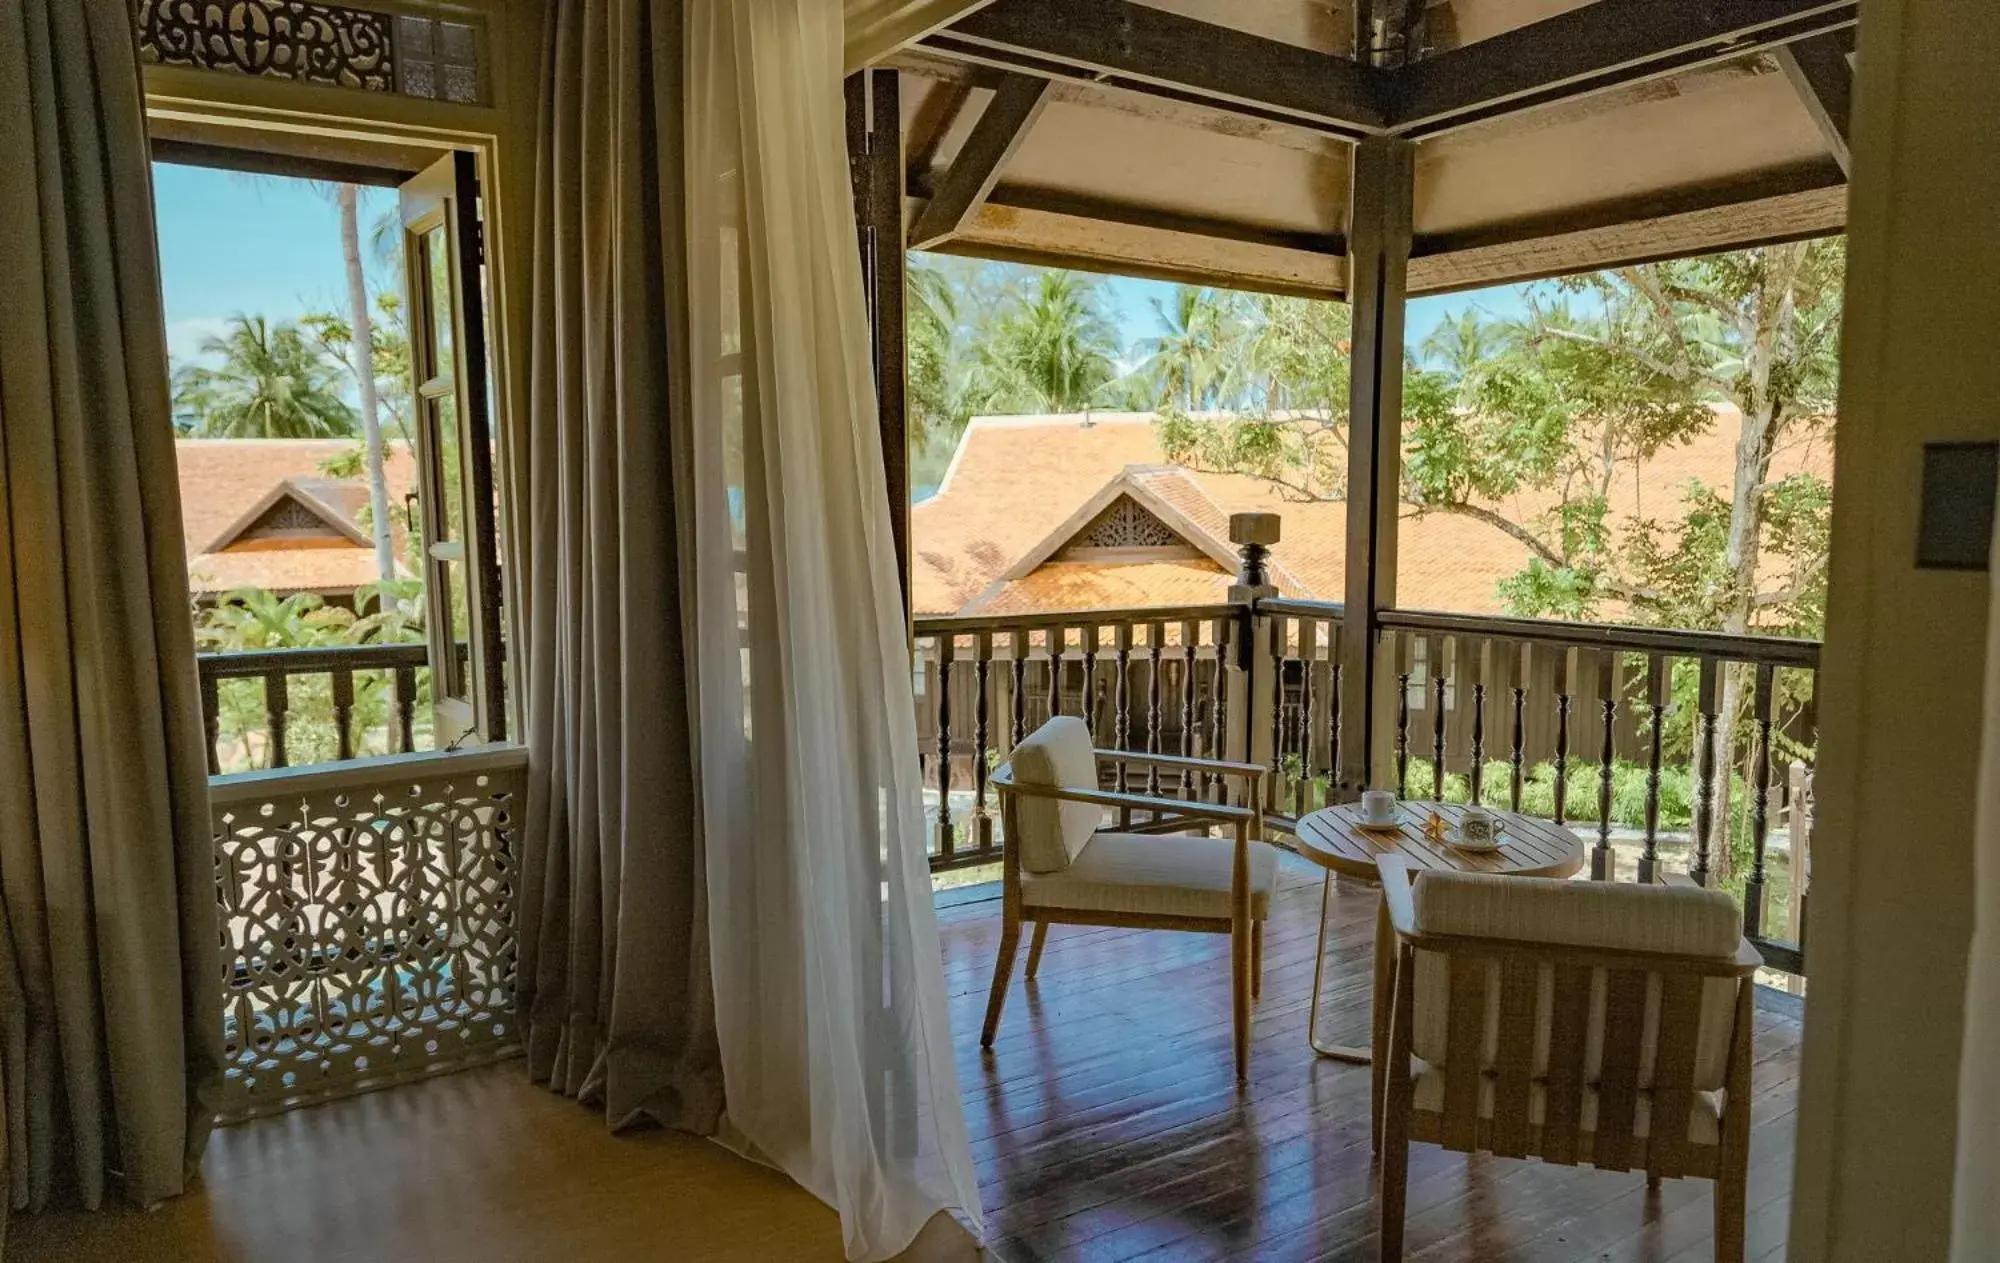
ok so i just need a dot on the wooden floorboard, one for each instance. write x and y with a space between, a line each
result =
1106 1123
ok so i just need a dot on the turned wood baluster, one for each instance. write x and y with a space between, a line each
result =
1760 800
343 713
1156 634
1523 665
1018 669
1190 634
1565 660
1704 775
1121 690
1333 716
1280 636
1656 707
1302 725
406 709
1439 682
1482 665
211 720
1088 640
1218 707
1603 864
982 823
946 645
1056 640
1405 650
277 703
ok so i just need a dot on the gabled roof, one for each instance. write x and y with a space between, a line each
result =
1141 483
227 485
321 497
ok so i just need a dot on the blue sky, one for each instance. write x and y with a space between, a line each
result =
258 245
1133 307
233 243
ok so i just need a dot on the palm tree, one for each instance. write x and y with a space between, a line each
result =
936 412
1196 362
346 197
1464 344
1053 350
273 383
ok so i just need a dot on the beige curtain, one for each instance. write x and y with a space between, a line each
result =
110 998
616 997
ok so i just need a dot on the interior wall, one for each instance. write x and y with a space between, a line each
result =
1900 727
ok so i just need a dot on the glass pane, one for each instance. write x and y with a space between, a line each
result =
450 468
437 258
449 576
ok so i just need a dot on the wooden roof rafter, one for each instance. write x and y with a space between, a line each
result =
1604 76
1603 45
1133 46
1823 77
1001 128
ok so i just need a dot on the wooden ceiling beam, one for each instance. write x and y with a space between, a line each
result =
1824 79
973 173
875 29
1600 46
1154 51
1044 238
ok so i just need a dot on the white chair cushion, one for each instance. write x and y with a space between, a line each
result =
1678 920
1704 1108
1154 874
1059 755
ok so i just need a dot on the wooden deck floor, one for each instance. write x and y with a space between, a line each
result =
1106 1124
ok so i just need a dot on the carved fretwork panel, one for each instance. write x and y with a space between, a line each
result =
288 519
368 927
318 43
1125 523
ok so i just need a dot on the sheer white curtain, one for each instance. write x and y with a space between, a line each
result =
829 991
1976 1211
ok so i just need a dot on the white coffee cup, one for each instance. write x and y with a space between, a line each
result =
1378 806
1478 826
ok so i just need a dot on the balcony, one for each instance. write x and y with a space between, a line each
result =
367 899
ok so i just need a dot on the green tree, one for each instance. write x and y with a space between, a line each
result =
1196 361
1286 403
936 404
273 382
1605 372
1052 350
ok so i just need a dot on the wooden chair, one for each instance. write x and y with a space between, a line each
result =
1060 868
1576 1022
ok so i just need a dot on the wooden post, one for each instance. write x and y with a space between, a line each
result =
1378 255
1252 685
875 160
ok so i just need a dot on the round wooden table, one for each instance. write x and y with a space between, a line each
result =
1335 839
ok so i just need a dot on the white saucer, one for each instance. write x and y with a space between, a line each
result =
1456 841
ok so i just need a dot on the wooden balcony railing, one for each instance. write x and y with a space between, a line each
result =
1604 728
1150 679
1597 705
274 672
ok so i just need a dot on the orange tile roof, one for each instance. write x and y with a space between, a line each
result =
1083 585
222 479
1014 480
